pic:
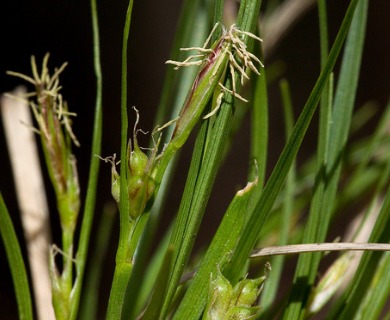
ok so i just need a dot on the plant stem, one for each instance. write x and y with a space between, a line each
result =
90 200
118 290
124 262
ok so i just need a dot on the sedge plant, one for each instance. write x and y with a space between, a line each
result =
224 78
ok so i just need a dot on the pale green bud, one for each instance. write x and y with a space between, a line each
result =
228 303
220 295
140 186
247 291
138 162
140 191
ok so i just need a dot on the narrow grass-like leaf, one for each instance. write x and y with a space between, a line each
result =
89 208
272 284
381 185
177 237
201 176
222 244
16 263
157 299
346 304
326 99
377 293
149 276
363 116
259 130
324 42
329 171
124 200
274 184
372 145
322 153
368 175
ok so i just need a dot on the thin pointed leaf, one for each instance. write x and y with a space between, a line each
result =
378 292
89 207
346 304
222 244
157 300
329 167
259 130
16 263
271 286
274 185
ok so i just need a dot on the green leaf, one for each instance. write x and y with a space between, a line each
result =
259 130
377 293
271 286
149 276
345 307
157 299
275 183
329 160
359 287
16 263
222 244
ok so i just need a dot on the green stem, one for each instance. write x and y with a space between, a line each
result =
118 290
123 269
124 263
81 256
122 273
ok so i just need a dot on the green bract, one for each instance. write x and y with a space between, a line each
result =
138 161
226 302
140 186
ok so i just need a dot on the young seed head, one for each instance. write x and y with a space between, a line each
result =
227 53
54 126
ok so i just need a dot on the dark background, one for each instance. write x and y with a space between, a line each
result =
63 28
